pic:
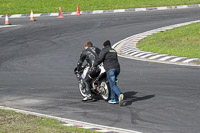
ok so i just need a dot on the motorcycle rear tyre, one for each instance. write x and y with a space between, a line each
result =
107 90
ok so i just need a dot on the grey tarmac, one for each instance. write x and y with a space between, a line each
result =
36 72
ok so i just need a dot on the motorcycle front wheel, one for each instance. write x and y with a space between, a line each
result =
82 88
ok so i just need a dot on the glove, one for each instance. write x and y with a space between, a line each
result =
78 75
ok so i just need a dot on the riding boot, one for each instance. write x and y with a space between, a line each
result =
88 89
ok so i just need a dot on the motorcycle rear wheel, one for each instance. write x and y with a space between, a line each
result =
105 94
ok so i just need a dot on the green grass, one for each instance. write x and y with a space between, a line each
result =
183 41
12 122
46 6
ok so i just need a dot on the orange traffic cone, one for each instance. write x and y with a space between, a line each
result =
60 13
6 20
78 11
32 16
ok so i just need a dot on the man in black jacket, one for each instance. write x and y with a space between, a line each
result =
110 60
89 54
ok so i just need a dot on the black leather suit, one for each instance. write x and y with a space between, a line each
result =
90 55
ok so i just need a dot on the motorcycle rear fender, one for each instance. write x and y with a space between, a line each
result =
102 76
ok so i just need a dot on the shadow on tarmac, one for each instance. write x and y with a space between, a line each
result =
129 98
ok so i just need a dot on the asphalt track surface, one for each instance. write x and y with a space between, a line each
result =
36 72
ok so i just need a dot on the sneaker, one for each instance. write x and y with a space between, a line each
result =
87 98
112 101
121 98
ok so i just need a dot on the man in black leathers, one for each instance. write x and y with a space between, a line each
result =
90 54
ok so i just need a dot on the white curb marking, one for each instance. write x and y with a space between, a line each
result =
130 42
140 9
165 58
119 10
70 122
69 125
134 53
181 7
16 16
97 11
127 50
73 13
54 14
162 8
145 56
103 131
176 59
156 56
87 127
37 15
188 60
137 55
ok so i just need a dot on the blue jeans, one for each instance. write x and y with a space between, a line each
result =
112 75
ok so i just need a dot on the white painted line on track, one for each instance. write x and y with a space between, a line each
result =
70 121
6 26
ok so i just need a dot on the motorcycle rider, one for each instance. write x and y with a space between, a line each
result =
90 55
110 60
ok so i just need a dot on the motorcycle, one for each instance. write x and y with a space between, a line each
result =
99 83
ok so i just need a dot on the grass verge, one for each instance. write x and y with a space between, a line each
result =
12 122
47 6
183 41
